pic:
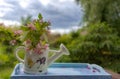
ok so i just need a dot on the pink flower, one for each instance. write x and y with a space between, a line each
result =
37 50
38 45
13 42
18 32
28 41
31 26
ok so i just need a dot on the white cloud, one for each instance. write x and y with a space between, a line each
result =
4 11
45 2
65 0
61 31
63 14
4 8
8 22
24 3
3 3
65 31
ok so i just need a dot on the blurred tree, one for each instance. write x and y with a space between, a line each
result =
96 43
6 49
102 11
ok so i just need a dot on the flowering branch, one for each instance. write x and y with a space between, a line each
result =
34 34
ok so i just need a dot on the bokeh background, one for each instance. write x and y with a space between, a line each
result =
89 29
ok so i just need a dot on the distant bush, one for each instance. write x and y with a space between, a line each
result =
7 57
65 39
95 46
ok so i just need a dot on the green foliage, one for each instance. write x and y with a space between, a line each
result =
3 58
6 49
105 39
35 30
102 11
26 20
95 43
103 36
5 33
65 39
5 73
100 41
40 16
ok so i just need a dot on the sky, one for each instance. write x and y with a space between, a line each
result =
64 15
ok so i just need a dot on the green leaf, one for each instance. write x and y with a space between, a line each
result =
25 36
40 16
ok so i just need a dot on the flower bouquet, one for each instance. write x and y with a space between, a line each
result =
34 35
34 38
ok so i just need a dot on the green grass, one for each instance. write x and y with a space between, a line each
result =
5 72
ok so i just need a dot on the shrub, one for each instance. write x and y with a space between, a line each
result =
97 45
